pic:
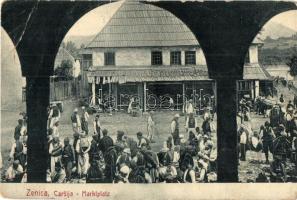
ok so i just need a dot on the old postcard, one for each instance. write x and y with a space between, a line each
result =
148 99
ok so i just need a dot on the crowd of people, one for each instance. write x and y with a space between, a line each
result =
94 157
277 136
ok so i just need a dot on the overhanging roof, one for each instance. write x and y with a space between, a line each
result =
124 74
254 71
151 73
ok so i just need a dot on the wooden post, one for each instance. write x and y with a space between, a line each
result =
93 92
144 96
115 93
184 96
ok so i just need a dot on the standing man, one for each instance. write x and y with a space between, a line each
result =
68 158
267 139
17 151
189 108
97 126
175 129
295 101
84 120
82 148
105 142
76 124
54 115
281 99
150 127
206 128
243 139
18 128
55 129
191 123
55 151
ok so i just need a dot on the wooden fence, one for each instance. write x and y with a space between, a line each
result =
61 90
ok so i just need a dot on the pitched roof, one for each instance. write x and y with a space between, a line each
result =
136 24
255 72
63 54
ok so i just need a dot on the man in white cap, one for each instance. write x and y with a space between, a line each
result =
55 151
124 158
123 174
14 172
174 127
75 119
54 115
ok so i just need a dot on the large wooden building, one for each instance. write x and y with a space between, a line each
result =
147 53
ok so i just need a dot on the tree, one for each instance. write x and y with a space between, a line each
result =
64 71
71 47
293 63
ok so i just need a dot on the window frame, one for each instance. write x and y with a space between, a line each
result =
187 57
107 58
153 60
175 56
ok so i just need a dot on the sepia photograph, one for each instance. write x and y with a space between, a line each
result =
147 92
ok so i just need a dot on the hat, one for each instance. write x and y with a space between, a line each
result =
181 136
83 107
16 162
139 134
127 150
125 169
75 110
120 133
176 115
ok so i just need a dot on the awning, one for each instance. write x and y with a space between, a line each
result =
147 74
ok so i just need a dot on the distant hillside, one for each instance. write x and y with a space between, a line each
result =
275 30
79 40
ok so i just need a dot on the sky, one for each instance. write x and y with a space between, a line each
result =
92 22
288 19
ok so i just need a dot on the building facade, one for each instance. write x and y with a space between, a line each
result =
148 55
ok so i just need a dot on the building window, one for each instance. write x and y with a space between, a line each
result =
175 58
157 58
24 94
109 58
247 57
244 85
87 61
190 57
